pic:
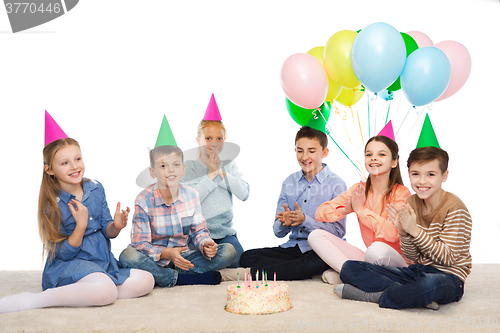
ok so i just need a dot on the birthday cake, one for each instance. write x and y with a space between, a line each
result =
250 299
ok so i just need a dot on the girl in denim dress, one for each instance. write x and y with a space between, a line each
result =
76 227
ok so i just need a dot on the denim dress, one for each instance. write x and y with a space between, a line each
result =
69 263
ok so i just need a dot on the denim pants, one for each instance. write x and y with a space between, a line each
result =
233 240
167 276
404 287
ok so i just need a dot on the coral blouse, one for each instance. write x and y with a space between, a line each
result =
374 222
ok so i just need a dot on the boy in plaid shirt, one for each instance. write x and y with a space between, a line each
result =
166 213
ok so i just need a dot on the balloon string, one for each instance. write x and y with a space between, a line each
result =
388 109
399 103
352 144
314 113
422 111
401 125
357 169
360 130
330 131
369 122
376 115
326 122
364 175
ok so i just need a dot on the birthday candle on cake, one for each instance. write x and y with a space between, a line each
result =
275 279
238 277
246 285
265 277
250 280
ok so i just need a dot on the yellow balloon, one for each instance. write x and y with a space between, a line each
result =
334 88
317 52
337 58
350 96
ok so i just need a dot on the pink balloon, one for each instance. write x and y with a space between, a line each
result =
460 62
422 39
304 80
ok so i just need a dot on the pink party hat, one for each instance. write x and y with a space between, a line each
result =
52 131
212 112
388 131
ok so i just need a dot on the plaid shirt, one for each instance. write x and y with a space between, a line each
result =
157 226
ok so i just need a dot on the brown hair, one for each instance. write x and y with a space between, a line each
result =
395 173
428 154
204 123
49 214
164 151
311 133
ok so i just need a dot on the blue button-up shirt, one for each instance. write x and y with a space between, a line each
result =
70 263
325 186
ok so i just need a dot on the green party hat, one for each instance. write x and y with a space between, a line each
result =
165 136
427 136
319 116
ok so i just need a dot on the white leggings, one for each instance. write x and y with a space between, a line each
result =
95 289
334 251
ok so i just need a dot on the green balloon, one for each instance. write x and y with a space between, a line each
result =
300 115
411 46
318 118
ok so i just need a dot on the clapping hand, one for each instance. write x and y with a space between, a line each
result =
80 213
394 216
408 220
357 199
291 218
121 218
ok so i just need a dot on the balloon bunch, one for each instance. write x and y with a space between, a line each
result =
377 59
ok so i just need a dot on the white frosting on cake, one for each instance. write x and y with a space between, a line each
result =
252 300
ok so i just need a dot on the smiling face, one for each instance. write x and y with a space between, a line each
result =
168 170
67 167
310 156
426 179
211 139
378 159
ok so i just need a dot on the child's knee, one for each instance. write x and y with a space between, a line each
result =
375 253
348 269
105 291
314 236
148 282
144 281
129 257
227 251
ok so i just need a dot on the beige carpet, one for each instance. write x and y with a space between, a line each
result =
201 309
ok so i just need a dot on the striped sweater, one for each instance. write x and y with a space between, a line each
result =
444 238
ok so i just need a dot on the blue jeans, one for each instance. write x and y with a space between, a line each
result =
233 240
167 276
404 287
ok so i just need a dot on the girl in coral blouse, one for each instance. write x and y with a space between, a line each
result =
369 201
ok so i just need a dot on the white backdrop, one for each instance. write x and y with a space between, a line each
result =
108 70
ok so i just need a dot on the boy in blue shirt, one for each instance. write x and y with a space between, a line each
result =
301 194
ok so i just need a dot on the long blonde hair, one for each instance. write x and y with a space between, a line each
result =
49 214
204 123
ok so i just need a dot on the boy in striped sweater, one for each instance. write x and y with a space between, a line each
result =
435 232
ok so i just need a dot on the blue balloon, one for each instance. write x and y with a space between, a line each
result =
378 56
426 75
386 95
